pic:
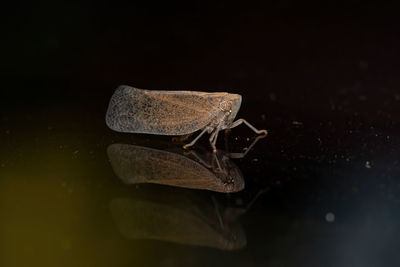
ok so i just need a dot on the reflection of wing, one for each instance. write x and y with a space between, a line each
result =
178 222
161 112
135 164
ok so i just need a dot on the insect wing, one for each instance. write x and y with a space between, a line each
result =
161 112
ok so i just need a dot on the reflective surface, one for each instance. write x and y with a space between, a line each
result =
74 196
322 189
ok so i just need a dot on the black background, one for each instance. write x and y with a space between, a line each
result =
59 53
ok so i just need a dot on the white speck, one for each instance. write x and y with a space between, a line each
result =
297 123
368 165
330 217
255 160
247 139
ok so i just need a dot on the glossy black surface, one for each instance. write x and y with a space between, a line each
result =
323 189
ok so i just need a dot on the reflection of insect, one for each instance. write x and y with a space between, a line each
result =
137 164
174 112
179 216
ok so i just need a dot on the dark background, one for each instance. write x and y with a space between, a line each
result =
322 77
59 53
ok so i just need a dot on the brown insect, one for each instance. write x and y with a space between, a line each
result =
136 110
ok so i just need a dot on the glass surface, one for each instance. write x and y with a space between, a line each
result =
73 191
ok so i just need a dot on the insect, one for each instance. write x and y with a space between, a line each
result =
136 110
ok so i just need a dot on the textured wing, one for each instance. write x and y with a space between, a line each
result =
161 112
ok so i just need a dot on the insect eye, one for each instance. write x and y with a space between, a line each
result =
226 106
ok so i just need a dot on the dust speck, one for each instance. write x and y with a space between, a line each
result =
330 217
297 123
368 165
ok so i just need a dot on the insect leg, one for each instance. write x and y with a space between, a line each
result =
240 121
217 161
181 138
199 159
195 140
213 138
